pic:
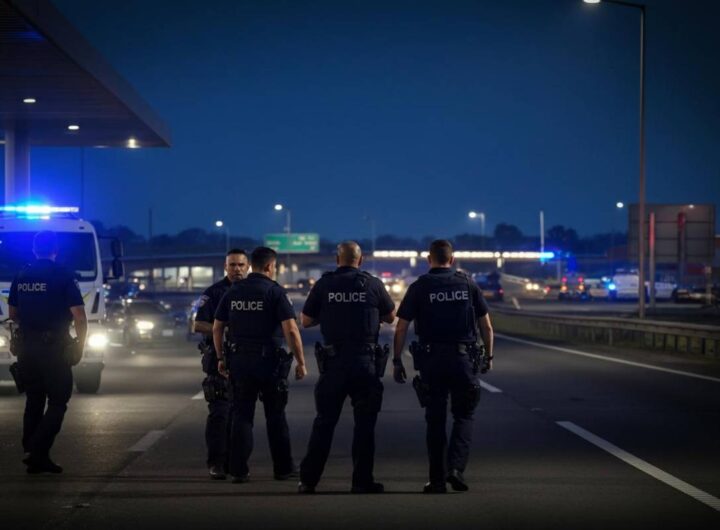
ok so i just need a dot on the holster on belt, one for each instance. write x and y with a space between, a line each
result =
72 351
215 388
419 352
16 341
382 354
322 353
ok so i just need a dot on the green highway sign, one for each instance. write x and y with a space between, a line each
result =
293 243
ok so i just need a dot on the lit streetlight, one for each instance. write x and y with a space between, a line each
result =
641 190
479 215
221 224
279 208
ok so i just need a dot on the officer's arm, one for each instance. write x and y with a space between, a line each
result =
80 321
389 318
294 341
206 328
400 335
218 328
308 322
13 314
486 332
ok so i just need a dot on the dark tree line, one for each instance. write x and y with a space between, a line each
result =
505 237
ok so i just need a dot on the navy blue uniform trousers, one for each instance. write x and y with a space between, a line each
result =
346 374
254 376
449 374
48 386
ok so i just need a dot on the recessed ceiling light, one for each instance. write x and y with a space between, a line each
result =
132 143
29 101
73 127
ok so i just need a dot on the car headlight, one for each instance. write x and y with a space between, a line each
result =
97 341
144 325
387 287
3 342
397 288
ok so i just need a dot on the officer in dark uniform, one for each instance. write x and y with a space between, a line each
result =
44 300
258 314
215 386
349 305
448 308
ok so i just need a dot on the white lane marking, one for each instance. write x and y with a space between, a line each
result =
146 441
490 388
199 395
643 466
609 359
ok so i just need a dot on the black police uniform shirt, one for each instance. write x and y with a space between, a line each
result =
43 293
348 303
208 304
254 310
445 305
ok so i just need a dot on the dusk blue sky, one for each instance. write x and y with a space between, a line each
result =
407 111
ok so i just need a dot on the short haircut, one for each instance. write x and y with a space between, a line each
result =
261 257
236 251
348 252
45 243
441 251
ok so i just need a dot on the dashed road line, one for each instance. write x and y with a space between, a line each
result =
490 388
643 466
146 441
609 359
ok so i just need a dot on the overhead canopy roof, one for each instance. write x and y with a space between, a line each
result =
43 57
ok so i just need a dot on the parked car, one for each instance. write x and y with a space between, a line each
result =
139 321
696 294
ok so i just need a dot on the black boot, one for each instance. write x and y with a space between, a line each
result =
457 481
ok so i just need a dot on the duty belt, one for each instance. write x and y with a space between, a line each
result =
447 347
363 347
247 348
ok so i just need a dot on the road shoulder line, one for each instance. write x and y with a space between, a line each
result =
144 443
608 359
642 465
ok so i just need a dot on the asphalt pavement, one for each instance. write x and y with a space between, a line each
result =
561 440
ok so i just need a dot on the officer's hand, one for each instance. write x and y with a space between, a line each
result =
399 371
300 371
487 366
222 369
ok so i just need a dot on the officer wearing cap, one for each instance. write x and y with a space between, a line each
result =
44 300
258 314
448 308
349 305
217 426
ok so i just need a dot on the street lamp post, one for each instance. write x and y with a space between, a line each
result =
372 238
618 207
641 190
479 215
221 224
288 230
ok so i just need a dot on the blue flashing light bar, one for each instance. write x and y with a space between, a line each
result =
39 209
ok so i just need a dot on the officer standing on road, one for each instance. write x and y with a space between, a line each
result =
258 314
349 305
44 300
215 386
447 307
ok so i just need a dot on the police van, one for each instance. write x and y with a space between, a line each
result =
79 251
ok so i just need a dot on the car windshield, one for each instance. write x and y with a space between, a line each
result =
146 309
76 251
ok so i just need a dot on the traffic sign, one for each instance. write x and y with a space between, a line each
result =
293 243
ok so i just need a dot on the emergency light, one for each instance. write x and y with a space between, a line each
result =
39 209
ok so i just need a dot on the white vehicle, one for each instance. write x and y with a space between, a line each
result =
626 287
80 252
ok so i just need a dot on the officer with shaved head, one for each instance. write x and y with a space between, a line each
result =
349 304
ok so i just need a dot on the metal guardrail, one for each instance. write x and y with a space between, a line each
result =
653 334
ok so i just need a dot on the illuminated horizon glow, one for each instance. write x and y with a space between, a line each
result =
468 254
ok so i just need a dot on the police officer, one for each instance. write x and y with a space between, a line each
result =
448 308
349 305
44 300
258 314
217 426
